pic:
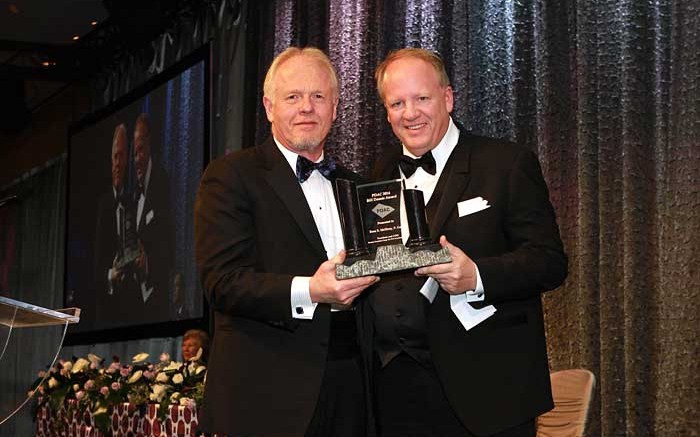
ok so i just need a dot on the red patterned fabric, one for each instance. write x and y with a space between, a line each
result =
127 420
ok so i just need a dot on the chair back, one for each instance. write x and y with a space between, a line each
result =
572 390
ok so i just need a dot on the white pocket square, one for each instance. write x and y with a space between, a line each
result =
149 216
471 206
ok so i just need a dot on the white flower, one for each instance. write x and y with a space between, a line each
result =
200 369
158 392
174 397
67 365
178 378
140 358
162 377
185 401
94 359
135 377
80 365
174 365
76 387
164 357
53 383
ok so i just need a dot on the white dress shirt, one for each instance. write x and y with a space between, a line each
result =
318 192
424 181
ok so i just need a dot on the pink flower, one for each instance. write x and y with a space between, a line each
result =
124 371
89 384
42 374
79 395
115 386
104 390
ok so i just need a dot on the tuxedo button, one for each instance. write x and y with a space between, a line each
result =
299 310
397 314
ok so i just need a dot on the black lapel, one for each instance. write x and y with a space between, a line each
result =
457 177
283 181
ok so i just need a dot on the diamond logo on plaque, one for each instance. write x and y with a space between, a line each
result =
370 217
382 210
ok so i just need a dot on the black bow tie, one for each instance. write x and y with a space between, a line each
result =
409 165
305 167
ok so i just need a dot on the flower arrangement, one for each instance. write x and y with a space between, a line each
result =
98 387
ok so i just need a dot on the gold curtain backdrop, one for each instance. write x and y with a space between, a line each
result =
608 95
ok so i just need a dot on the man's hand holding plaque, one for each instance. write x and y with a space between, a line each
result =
370 217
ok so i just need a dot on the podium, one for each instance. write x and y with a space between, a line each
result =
15 314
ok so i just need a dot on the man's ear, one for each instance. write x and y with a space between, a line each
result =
267 103
449 99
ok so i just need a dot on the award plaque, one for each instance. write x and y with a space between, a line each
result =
128 248
370 217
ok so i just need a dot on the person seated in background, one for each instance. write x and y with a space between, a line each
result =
192 341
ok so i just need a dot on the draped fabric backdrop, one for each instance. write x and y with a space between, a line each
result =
35 275
608 95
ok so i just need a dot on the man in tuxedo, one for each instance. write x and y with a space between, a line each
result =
460 347
153 227
284 358
115 287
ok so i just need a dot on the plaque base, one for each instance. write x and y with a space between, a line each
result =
393 258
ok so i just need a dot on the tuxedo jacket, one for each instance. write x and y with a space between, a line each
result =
254 232
495 375
155 231
112 303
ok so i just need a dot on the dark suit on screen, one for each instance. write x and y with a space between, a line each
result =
254 232
113 300
155 231
495 376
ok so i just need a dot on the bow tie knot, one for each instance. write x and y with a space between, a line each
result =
305 167
409 165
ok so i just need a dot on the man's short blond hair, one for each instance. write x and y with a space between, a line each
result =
120 131
431 58
291 52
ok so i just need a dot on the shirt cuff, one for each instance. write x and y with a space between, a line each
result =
429 289
110 290
477 294
302 307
